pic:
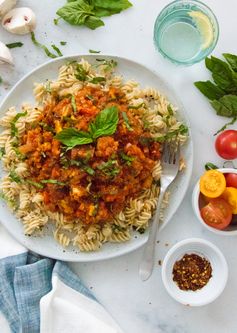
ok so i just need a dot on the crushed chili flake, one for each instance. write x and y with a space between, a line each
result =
192 272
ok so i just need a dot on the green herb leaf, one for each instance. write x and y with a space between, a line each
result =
1 80
136 107
108 65
14 130
93 22
110 7
226 125
2 152
13 45
48 87
209 89
89 170
72 137
43 47
232 60
31 182
170 110
226 106
210 166
125 118
222 74
14 177
109 168
57 50
55 20
127 158
52 181
105 123
93 51
63 43
80 13
81 73
97 79
73 103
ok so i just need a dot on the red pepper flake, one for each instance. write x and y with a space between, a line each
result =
192 272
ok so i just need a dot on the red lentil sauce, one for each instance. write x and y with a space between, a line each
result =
87 191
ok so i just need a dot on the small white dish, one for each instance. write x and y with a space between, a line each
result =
198 203
215 285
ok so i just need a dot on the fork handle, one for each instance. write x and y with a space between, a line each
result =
147 262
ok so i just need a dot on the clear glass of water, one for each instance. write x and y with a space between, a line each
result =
186 31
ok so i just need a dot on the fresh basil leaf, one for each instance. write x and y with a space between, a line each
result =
97 79
71 137
226 125
63 43
13 45
81 73
232 60
210 166
209 89
79 13
110 7
222 74
57 50
43 47
226 106
105 122
125 118
73 103
93 22
93 51
1 80
14 130
52 181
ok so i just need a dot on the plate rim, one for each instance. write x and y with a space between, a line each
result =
165 84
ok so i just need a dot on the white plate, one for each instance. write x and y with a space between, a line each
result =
47 246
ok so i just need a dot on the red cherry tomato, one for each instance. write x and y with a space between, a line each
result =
226 144
217 214
231 179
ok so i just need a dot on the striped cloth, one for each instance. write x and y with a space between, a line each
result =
42 295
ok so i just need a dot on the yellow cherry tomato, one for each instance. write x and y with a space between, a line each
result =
230 195
212 184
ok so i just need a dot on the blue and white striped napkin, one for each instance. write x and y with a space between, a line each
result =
42 295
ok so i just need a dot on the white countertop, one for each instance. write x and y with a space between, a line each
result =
137 306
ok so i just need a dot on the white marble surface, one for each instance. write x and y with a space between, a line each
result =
137 306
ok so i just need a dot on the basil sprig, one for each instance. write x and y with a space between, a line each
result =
89 12
105 124
222 94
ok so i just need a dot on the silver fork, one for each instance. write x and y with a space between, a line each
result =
170 167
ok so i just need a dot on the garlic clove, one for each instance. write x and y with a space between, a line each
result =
19 21
5 54
6 5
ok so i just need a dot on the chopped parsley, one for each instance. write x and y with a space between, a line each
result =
13 45
14 129
125 118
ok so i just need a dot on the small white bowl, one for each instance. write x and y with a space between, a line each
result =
215 285
198 203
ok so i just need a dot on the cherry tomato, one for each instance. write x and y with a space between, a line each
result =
231 179
217 214
226 144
